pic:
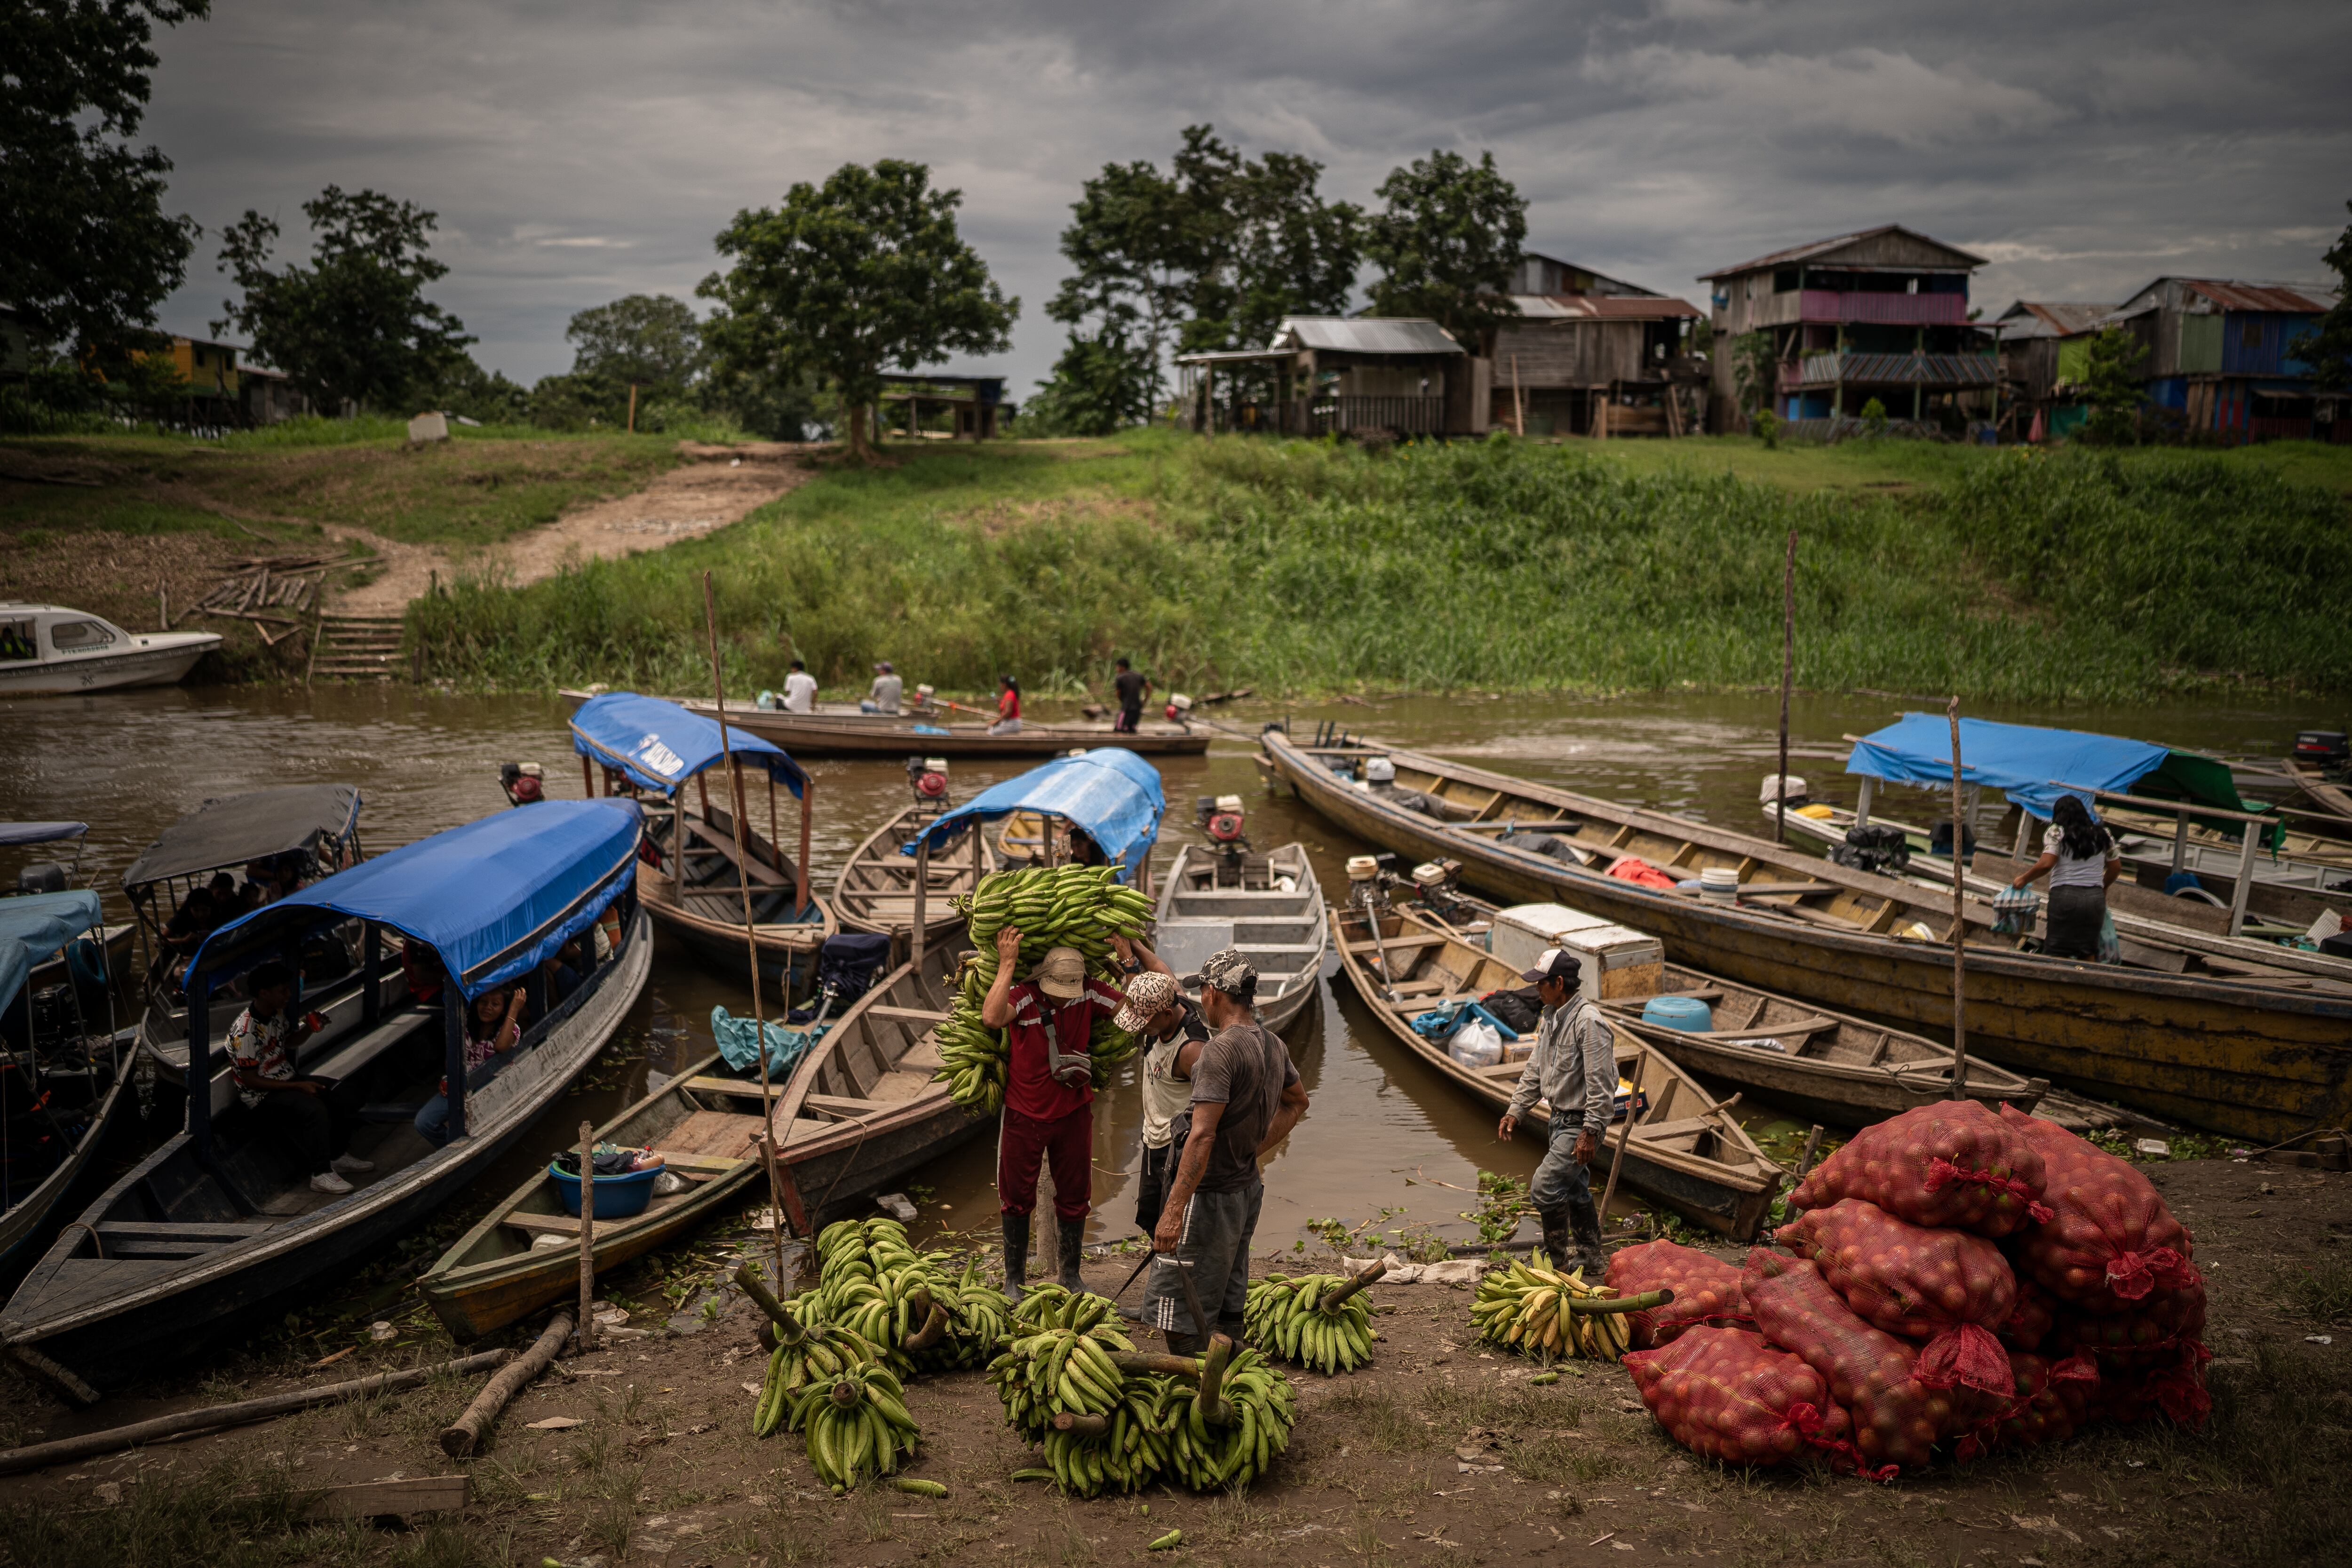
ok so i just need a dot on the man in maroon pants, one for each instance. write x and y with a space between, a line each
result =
1049 1092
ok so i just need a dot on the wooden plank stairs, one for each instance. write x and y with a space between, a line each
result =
355 648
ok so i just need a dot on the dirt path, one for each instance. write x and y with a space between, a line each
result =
716 486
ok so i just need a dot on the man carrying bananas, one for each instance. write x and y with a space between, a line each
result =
1573 1068
1245 1099
1049 1090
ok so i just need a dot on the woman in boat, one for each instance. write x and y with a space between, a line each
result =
2081 859
1008 707
493 1028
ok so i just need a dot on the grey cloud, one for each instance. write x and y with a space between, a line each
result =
582 150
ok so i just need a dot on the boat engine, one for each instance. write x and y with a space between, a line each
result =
1366 886
1220 816
524 782
2326 750
1437 885
928 777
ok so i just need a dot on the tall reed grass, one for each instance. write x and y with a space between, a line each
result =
1299 566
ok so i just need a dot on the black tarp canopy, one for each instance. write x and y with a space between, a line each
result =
243 827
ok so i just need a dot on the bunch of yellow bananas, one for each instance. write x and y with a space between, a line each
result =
1205 1457
1062 1364
857 1425
1537 1310
1286 1317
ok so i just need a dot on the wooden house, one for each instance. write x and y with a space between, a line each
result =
2044 358
2219 358
1882 313
1352 375
977 403
1594 355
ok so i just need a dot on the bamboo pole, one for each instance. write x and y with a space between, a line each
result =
922 903
1518 404
801 871
1959 923
750 932
461 1437
587 1237
1625 1139
1788 676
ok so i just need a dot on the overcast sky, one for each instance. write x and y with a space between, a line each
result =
579 150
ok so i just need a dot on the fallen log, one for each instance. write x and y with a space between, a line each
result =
461 1437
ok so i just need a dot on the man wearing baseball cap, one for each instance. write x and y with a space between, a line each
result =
1172 1032
1049 1092
1245 1099
1574 1070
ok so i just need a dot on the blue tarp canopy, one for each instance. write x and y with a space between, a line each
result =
2027 762
494 899
16 964
44 922
40 832
661 746
1111 792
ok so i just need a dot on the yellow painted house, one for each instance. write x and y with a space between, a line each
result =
209 369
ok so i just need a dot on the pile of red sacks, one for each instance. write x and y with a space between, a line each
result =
1961 1282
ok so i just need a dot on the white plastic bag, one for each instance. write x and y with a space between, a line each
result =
1477 1043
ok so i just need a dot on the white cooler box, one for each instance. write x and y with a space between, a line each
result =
1615 961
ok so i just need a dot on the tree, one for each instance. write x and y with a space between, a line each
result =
354 323
1755 372
2111 386
2327 349
847 279
1131 240
1098 385
85 250
1447 243
648 339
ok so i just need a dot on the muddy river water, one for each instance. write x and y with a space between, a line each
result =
1384 1133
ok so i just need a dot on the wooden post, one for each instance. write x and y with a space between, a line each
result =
2245 877
453 1056
1805 1160
1788 675
1518 404
751 930
1959 923
1862 803
2180 840
633 408
1625 1139
587 1237
587 778
922 903
800 871
1601 414
775 839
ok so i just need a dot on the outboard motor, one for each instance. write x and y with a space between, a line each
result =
41 876
1180 709
2326 750
1222 818
928 777
524 782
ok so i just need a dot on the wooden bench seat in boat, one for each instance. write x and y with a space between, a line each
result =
721 1134
705 840
1681 1133
568 1224
174 1238
907 1014
746 1088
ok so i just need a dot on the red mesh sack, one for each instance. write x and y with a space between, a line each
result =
1724 1394
1950 1165
2029 1321
1897 1420
2109 1241
1706 1290
2173 1387
2053 1402
2149 1334
1946 1287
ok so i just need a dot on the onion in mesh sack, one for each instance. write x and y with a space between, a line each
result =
2148 1334
1726 1394
2109 1241
1706 1290
1952 1164
2054 1401
1946 1287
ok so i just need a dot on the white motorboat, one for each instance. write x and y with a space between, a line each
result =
46 649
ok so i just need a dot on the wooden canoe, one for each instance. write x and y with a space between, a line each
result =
2215 1045
1687 1150
2324 795
697 897
876 891
505 1267
28 1224
1285 934
848 734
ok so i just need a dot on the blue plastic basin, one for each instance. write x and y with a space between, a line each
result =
617 1197
1688 1013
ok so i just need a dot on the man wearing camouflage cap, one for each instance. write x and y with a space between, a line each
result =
1245 1099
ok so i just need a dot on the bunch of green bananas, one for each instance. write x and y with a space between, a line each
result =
822 1354
1288 1318
1527 1308
1131 1455
874 1283
1205 1457
1061 1365
1082 907
977 1317
857 1425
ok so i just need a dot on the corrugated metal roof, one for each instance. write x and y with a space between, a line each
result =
2042 319
1367 334
2233 296
1608 307
1822 246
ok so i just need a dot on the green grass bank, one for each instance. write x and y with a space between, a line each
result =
1299 567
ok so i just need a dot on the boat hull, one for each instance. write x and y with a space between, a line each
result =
164 662
2261 1063
819 736
29 1224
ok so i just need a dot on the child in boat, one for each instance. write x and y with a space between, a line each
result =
293 1110
493 1028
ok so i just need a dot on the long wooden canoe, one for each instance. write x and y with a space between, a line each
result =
697 897
29 1223
846 734
2252 1056
876 891
1284 932
1687 1150
2324 795
525 1253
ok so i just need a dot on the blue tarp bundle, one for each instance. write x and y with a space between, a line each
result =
40 832
739 1042
2019 760
660 745
1441 1023
495 898
44 922
1111 792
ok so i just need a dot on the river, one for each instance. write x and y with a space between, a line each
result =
1384 1137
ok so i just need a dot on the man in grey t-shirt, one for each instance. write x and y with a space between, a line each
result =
886 693
1246 1098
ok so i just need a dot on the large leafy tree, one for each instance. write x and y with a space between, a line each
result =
649 339
1098 385
85 250
1447 240
2328 349
1131 241
849 280
2111 385
356 322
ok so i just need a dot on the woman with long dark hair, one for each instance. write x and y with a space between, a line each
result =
1008 707
2082 861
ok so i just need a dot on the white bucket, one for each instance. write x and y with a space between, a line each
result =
1719 884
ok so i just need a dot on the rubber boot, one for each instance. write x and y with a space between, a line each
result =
1072 1237
1185 1344
1555 1235
1016 1256
1591 1252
